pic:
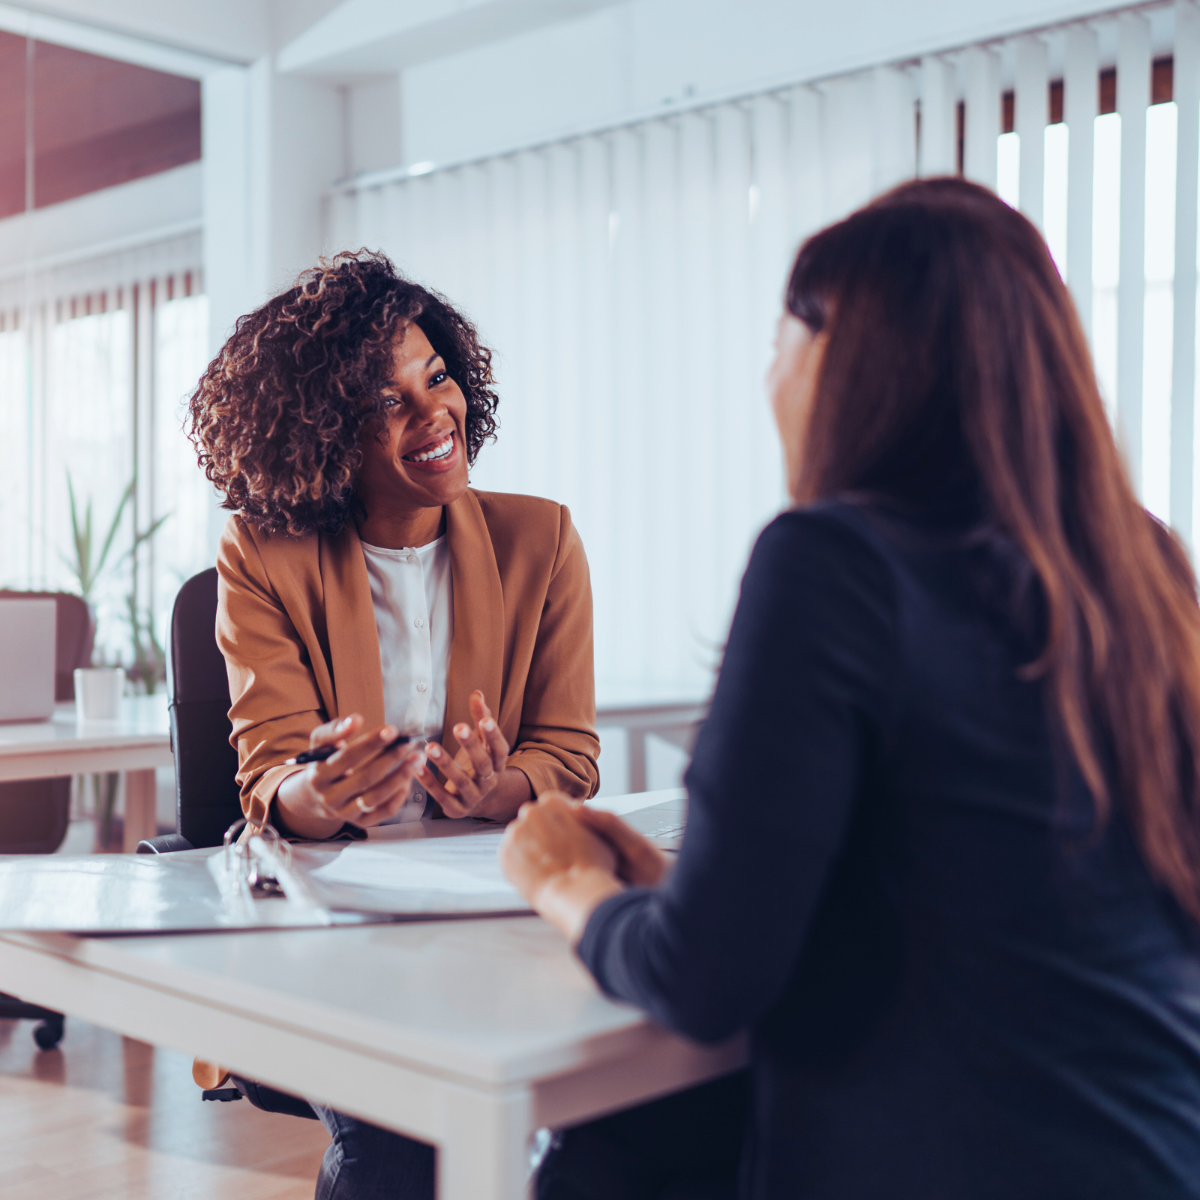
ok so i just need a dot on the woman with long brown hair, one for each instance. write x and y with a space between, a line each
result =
943 850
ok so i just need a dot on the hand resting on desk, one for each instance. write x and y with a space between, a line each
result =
639 861
566 859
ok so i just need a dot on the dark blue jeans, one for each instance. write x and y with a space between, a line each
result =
364 1162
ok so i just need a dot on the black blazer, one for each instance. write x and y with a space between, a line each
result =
887 876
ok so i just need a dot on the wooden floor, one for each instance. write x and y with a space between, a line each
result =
105 1116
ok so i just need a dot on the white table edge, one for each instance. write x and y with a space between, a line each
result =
480 1119
411 1097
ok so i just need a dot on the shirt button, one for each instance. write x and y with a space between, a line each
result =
412 558
418 622
421 686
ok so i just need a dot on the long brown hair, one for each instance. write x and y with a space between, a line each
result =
957 378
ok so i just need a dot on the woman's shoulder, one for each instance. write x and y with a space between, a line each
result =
532 538
863 552
526 525
503 510
836 530
236 537
243 546
826 554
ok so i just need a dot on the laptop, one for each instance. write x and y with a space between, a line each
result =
27 651
661 823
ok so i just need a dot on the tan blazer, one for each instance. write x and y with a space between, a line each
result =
296 626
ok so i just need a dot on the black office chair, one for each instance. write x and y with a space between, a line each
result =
35 813
207 797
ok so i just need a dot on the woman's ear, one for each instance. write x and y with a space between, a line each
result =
792 385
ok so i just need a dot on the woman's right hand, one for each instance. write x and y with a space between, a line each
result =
639 861
363 782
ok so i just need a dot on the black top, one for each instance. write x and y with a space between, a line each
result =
887 876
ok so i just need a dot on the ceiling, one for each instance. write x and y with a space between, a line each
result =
359 37
334 39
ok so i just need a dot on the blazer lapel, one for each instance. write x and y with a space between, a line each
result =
477 649
353 639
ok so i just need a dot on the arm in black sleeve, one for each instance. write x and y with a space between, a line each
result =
800 707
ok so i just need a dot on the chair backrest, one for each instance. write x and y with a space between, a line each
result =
74 634
207 798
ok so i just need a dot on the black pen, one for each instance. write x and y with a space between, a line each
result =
321 753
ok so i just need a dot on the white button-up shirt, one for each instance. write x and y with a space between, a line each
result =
412 596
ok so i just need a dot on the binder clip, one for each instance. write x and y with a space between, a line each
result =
257 864
251 860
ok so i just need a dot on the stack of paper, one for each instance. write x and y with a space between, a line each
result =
428 875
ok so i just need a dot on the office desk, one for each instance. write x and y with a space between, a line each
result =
136 742
468 1034
669 715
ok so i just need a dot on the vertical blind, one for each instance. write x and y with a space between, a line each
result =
629 280
95 358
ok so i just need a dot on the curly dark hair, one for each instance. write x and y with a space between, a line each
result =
278 417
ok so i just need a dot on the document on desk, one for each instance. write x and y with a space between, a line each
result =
418 877
140 893
427 870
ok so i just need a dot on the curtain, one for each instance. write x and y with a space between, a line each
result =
95 359
628 280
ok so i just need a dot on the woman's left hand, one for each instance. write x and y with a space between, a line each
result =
477 782
558 864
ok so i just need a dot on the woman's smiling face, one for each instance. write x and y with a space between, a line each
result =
418 459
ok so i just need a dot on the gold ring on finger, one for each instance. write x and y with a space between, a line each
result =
358 800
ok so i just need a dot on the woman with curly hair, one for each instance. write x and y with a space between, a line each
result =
366 592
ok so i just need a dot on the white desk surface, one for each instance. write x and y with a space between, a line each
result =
138 739
469 1034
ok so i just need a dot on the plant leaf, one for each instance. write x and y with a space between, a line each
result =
141 538
112 529
78 567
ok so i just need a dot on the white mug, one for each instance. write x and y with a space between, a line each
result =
98 692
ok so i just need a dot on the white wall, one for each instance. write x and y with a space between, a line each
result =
373 128
306 131
272 145
567 76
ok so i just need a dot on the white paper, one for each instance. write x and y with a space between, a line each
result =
461 866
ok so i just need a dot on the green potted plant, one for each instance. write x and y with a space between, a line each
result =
88 564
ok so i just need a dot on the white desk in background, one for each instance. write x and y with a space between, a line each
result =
468 1034
137 742
670 714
